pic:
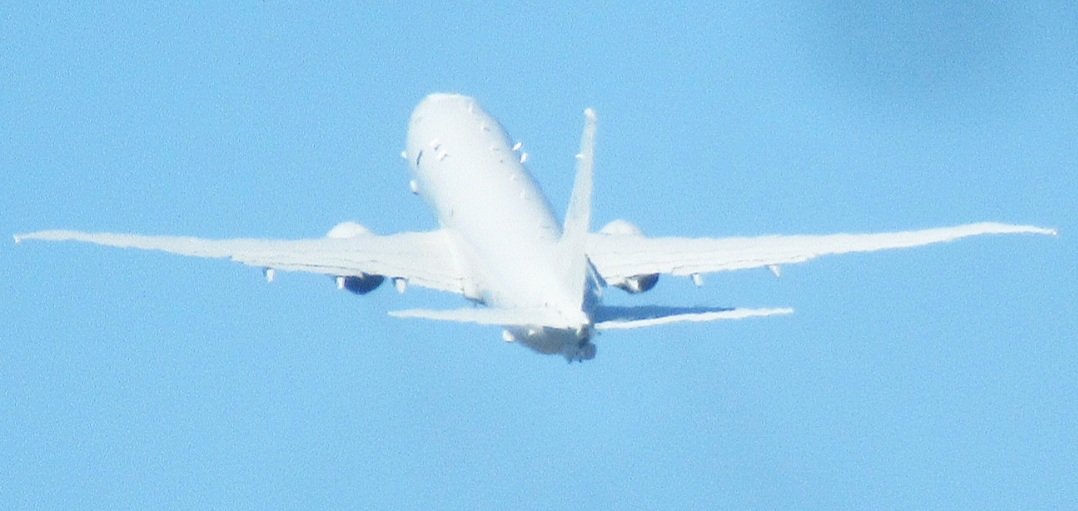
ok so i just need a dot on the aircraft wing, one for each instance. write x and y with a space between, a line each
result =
421 258
619 257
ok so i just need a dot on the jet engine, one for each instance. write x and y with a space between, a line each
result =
360 285
636 283
363 283
345 230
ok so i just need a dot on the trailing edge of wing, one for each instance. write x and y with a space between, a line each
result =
622 256
501 317
422 258
622 318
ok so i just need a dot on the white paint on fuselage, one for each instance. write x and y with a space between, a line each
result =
464 166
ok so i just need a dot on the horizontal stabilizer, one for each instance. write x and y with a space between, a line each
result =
501 317
622 318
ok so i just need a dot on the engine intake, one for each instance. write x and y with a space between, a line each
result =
360 285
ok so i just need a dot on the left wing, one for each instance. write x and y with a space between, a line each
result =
421 258
619 257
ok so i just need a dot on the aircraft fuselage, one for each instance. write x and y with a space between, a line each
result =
502 226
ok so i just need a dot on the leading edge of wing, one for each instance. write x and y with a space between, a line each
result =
622 256
421 258
623 318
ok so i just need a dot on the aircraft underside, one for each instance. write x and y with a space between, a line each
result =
574 345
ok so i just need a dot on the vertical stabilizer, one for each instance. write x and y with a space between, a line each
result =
578 216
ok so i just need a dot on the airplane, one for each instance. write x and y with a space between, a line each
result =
499 243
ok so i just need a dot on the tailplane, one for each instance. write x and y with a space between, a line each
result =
500 317
623 318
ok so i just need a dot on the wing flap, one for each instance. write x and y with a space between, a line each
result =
424 259
620 256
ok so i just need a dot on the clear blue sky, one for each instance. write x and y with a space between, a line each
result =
940 377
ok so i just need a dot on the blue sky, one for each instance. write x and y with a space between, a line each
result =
938 377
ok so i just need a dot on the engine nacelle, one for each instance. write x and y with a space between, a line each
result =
636 283
363 283
360 285
345 230
619 227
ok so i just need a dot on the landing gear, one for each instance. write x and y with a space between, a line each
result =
587 351
584 351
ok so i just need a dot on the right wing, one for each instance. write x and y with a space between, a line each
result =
425 259
619 257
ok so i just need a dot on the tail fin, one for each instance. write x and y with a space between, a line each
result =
578 216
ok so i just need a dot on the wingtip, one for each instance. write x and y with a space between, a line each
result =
1005 228
774 311
1047 231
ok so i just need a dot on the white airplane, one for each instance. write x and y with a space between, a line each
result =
500 245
